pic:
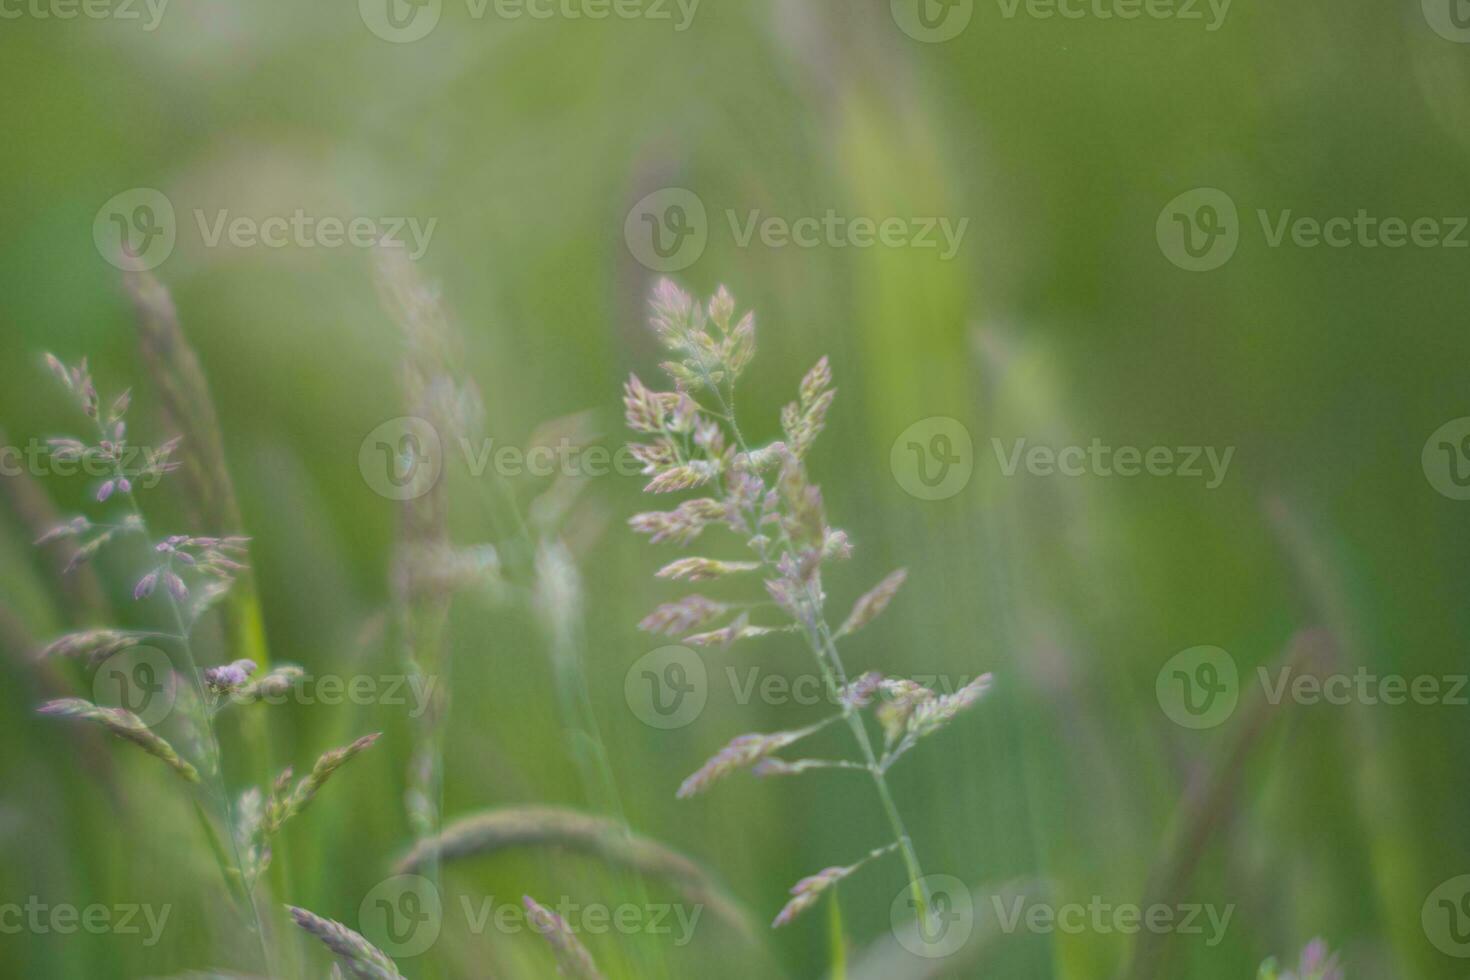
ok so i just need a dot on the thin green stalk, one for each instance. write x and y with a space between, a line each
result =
186 648
824 648
836 940
575 701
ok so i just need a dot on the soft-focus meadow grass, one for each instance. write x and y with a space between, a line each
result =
1058 320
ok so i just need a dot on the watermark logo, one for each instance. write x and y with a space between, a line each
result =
947 926
123 10
138 229
1180 10
1199 687
667 230
1199 230
141 680
1450 19
933 459
402 459
300 229
400 21
404 21
833 230
667 688
1363 687
41 918
932 21
753 684
1102 917
416 692
48 458
402 915
135 229
1206 463
676 921
1446 917
1446 459
670 687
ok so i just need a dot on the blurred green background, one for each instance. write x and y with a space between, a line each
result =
1060 319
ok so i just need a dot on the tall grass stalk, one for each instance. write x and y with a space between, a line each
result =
110 430
763 496
532 567
193 574
187 407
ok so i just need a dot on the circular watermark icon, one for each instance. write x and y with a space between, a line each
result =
140 679
1198 687
667 688
402 915
932 21
400 21
1450 19
135 230
1446 917
933 458
667 230
1446 459
402 459
1199 230
945 929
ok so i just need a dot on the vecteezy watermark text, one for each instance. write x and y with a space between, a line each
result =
1210 12
404 916
304 230
405 21
587 918
1201 686
935 21
1363 687
1097 459
668 688
40 459
834 230
668 230
64 919
403 458
1200 230
138 229
126 10
414 691
1102 917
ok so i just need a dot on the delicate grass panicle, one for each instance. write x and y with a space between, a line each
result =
125 725
809 890
531 566
564 830
183 576
692 441
572 959
428 568
1316 962
260 817
360 958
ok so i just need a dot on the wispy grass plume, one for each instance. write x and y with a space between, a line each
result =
188 410
355 954
495 831
762 495
125 725
185 577
572 959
